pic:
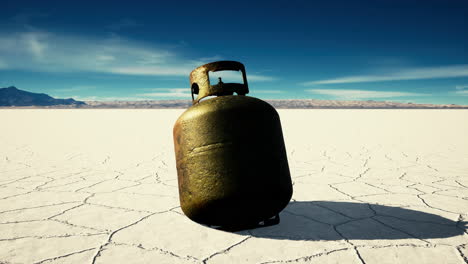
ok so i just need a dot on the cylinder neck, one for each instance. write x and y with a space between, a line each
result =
201 86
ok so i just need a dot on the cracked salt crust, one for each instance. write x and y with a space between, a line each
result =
101 218
370 186
411 254
136 254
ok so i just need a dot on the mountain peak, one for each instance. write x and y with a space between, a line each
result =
12 96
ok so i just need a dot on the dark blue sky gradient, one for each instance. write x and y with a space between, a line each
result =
292 46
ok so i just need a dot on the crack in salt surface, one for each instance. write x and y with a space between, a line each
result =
157 249
226 250
307 258
63 256
462 255
109 240
54 236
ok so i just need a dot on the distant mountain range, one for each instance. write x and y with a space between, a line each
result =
12 96
278 104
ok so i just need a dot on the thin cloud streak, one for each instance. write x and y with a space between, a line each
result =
450 71
151 70
47 52
3 64
361 94
76 88
169 92
462 92
267 91
105 98
260 78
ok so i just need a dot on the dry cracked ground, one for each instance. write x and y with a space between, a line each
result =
99 186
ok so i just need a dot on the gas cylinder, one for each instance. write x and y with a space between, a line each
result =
231 159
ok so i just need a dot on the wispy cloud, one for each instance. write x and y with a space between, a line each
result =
76 88
260 78
48 52
448 71
107 98
43 51
462 92
3 64
34 44
151 70
360 94
168 92
267 91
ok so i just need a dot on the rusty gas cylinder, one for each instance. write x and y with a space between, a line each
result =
231 159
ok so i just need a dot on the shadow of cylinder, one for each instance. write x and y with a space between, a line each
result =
324 220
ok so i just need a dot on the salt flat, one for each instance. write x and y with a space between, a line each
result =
100 186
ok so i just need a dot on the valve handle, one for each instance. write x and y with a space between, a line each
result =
200 80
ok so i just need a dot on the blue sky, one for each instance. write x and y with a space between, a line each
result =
406 51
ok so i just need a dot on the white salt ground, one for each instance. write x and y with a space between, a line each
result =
100 186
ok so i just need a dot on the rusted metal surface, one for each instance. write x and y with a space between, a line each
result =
231 158
200 80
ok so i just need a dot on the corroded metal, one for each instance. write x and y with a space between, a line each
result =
200 80
231 158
